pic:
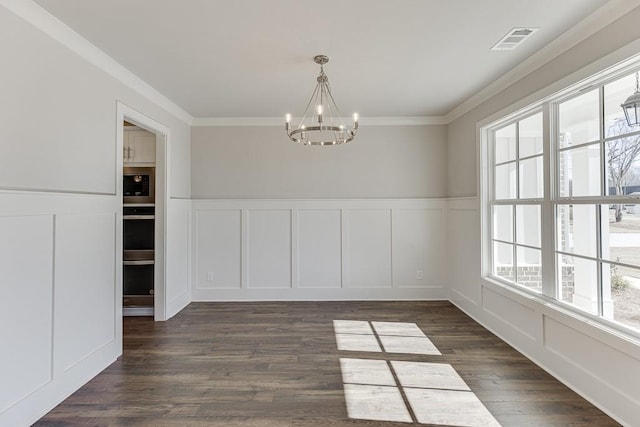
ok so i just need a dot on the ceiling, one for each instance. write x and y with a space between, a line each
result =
254 58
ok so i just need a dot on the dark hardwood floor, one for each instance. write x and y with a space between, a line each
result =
277 364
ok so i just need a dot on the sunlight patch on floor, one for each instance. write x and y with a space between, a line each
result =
366 371
402 391
409 345
429 375
372 402
398 328
449 408
353 342
352 327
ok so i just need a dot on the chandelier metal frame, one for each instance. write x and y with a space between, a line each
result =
329 127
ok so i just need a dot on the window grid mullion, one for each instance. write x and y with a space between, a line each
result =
515 210
599 261
603 160
506 242
576 255
517 160
603 192
514 252
524 245
591 200
491 154
577 146
532 156
505 163
547 217
491 239
624 135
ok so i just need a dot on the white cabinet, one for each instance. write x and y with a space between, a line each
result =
139 146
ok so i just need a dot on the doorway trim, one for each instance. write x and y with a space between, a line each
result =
162 132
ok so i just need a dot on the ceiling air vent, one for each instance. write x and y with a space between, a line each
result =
513 38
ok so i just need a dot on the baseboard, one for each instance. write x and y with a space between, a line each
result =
177 304
337 294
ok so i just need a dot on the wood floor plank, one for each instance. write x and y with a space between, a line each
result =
277 364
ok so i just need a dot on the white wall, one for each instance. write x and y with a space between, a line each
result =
319 249
276 220
601 365
261 162
60 216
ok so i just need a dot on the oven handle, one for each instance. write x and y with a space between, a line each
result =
140 262
138 217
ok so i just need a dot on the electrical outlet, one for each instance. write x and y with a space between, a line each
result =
210 276
419 275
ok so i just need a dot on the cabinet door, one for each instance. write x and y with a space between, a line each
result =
139 146
143 147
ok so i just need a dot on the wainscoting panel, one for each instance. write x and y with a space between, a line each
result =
178 243
369 248
84 272
269 251
518 316
318 249
219 249
26 266
464 250
418 263
60 285
594 357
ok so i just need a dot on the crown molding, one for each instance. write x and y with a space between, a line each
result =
40 18
403 121
279 121
239 121
605 15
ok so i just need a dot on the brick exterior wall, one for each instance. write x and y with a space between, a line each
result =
530 276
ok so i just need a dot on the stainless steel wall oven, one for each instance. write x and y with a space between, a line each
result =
139 226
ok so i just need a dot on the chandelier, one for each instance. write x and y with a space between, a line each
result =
321 122
631 106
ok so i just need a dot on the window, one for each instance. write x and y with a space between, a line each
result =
587 256
518 188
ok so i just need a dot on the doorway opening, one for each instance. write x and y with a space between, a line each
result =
142 190
138 221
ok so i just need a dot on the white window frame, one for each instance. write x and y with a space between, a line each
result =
551 284
517 201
